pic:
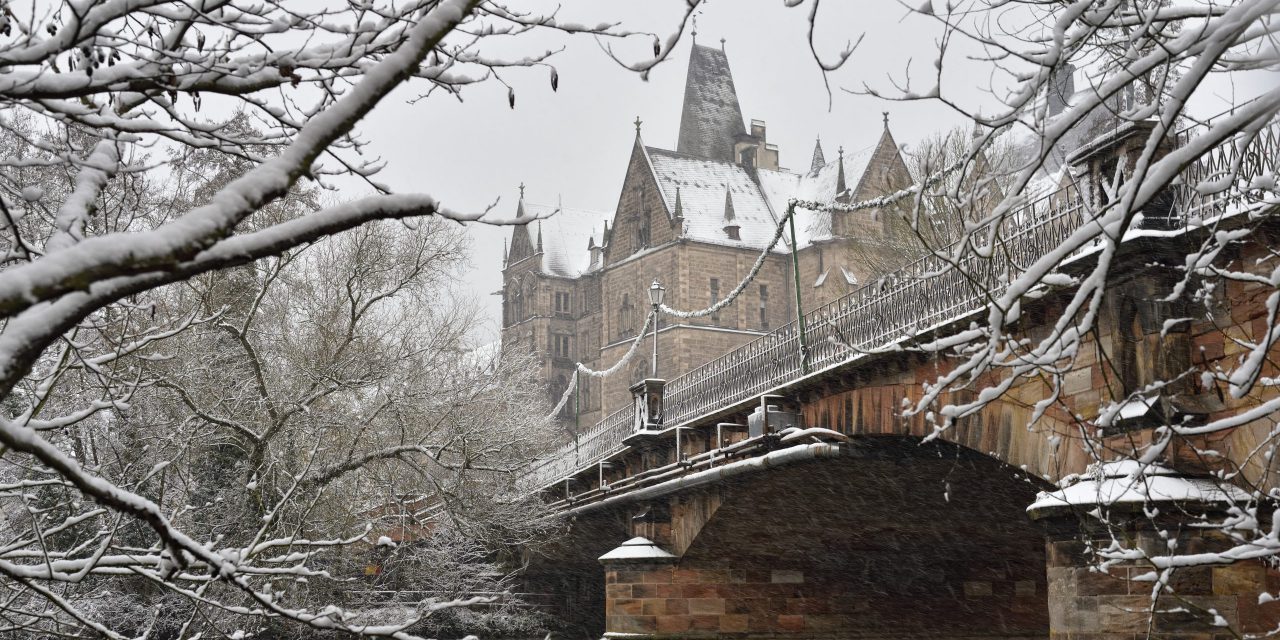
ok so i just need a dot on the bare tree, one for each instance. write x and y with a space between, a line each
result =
196 403
1200 193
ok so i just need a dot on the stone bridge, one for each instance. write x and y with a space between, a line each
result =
836 516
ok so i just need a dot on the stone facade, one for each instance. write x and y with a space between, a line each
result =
697 224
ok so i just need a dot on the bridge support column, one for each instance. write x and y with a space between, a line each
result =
1104 559
640 599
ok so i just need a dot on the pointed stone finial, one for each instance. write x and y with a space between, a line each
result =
522 190
679 212
731 228
638 122
539 236
504 252
694 32
840 182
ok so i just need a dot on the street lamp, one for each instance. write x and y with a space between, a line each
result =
656 292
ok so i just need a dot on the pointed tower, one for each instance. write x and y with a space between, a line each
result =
819 161
711 119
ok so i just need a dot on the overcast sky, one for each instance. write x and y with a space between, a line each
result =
573 144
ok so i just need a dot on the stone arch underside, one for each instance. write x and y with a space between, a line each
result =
895 539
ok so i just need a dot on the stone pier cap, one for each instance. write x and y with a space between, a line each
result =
637 550
1130 485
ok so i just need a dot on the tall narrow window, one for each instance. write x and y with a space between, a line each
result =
560 345
642 230
625 316
562 303
764 306
715 297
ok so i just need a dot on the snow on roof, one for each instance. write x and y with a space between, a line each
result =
702 184
819 186
566 234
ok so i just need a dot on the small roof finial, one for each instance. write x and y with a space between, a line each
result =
522 190
840 151
722 44
638 122
694 32
886 118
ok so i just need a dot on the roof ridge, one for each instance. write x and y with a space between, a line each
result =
690 156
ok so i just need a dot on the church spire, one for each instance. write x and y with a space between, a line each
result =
539 236
819 161
711 118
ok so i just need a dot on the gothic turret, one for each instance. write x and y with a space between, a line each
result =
711 120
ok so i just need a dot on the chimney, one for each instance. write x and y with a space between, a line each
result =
757 130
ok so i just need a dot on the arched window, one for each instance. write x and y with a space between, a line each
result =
642 229
526 300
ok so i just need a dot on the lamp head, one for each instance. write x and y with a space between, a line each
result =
656 293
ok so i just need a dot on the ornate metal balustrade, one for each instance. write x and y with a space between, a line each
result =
924 294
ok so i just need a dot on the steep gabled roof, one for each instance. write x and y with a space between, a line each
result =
566 234
706 186
711 117
819 186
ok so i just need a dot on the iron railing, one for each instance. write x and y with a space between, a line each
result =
926 293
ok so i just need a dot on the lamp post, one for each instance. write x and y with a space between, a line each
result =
656 293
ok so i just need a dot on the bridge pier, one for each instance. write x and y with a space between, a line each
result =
865 546
1102 575
890 540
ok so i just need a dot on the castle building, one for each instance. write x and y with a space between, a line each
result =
575 284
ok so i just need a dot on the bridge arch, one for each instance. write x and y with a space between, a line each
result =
890 539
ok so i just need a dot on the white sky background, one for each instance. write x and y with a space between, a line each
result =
574 144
